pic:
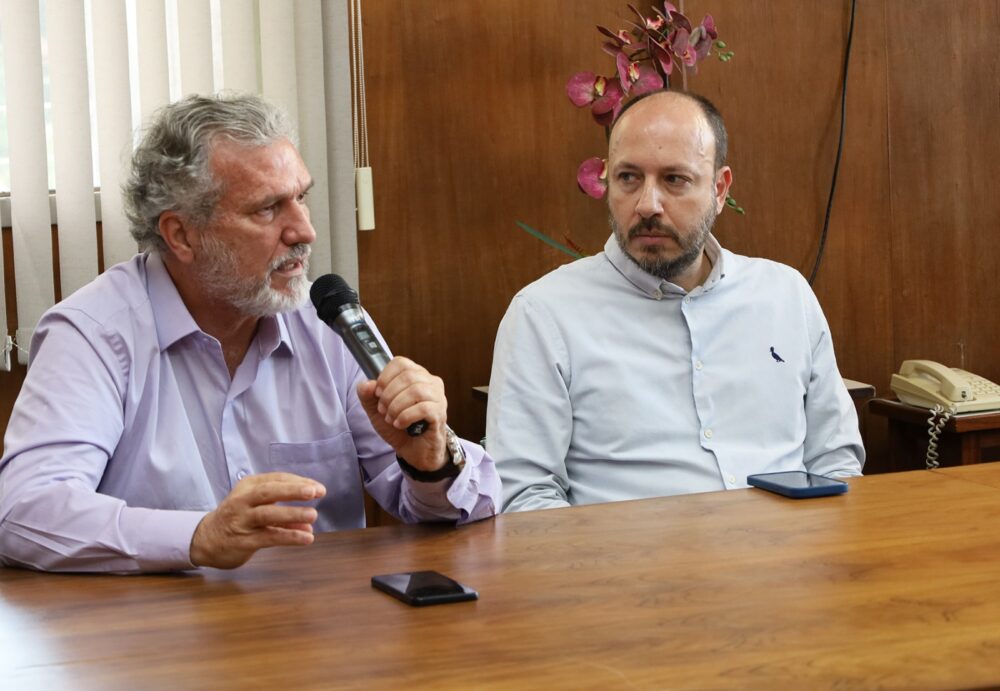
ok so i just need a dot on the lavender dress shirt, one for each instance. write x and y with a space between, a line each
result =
129 429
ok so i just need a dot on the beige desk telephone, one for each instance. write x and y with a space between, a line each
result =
926 384
946 391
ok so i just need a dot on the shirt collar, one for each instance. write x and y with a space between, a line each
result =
174 322
272 335
656 287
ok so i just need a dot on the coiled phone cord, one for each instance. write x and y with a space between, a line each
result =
935 423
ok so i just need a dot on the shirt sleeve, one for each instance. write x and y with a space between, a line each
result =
529 416
64 427
833 445
473 495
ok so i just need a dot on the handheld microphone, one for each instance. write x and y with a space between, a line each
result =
338 306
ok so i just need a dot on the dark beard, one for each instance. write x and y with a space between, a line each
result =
667 269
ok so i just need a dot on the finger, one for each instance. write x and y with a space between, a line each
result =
399 373
428 395
366 394
397 366
302 489
282 537
426 384
305 527
430 413
273 477
277 515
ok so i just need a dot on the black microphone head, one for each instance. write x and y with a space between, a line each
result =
329 293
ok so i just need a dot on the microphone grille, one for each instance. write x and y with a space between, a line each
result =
332 291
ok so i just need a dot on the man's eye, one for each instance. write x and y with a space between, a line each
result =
676 179
267 210
627 177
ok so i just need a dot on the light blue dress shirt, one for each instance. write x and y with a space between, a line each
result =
125 395
610 384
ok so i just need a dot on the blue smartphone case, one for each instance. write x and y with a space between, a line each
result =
797 484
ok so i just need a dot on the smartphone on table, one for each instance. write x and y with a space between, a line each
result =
419 588
797 484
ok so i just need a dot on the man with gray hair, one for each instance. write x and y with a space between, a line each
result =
188 407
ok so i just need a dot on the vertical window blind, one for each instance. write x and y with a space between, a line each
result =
101 67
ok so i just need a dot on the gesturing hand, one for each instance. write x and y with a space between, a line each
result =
405 393
249 518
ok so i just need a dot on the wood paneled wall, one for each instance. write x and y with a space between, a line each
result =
471 131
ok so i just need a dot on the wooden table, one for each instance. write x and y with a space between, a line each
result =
965 439
894 585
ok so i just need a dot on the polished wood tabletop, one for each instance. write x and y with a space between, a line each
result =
895 584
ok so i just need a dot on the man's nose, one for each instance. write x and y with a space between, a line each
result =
298 228
650 201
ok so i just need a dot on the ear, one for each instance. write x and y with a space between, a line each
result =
723 181
179 235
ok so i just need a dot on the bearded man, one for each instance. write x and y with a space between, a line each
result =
188 407
665 364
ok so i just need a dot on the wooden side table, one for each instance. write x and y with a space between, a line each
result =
965 439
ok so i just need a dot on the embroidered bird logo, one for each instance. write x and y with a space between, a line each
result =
777 358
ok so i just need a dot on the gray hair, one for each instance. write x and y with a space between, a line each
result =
170 168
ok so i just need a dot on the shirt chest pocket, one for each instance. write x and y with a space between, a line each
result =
334 463
315 459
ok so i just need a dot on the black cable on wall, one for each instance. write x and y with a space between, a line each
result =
840 149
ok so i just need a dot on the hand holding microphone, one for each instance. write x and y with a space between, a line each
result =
337 304
404 399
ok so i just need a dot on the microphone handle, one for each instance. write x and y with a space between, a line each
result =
372 358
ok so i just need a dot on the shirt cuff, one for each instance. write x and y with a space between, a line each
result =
163 537
461 498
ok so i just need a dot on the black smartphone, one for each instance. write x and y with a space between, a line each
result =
419 588
797 484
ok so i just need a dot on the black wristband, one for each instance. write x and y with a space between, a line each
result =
448 470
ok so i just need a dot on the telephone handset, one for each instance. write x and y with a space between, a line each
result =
925 383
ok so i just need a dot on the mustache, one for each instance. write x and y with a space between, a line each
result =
299 251
654 224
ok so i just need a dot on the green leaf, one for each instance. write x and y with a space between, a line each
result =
549 241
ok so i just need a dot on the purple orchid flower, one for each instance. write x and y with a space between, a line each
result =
607 107
662 56
682 48
584 87
637 79
604 95
647 24
703 36
592 177
645 54
621 37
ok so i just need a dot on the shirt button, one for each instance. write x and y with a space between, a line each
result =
240 475
697 364
708 433
687 299
731 479
658 294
